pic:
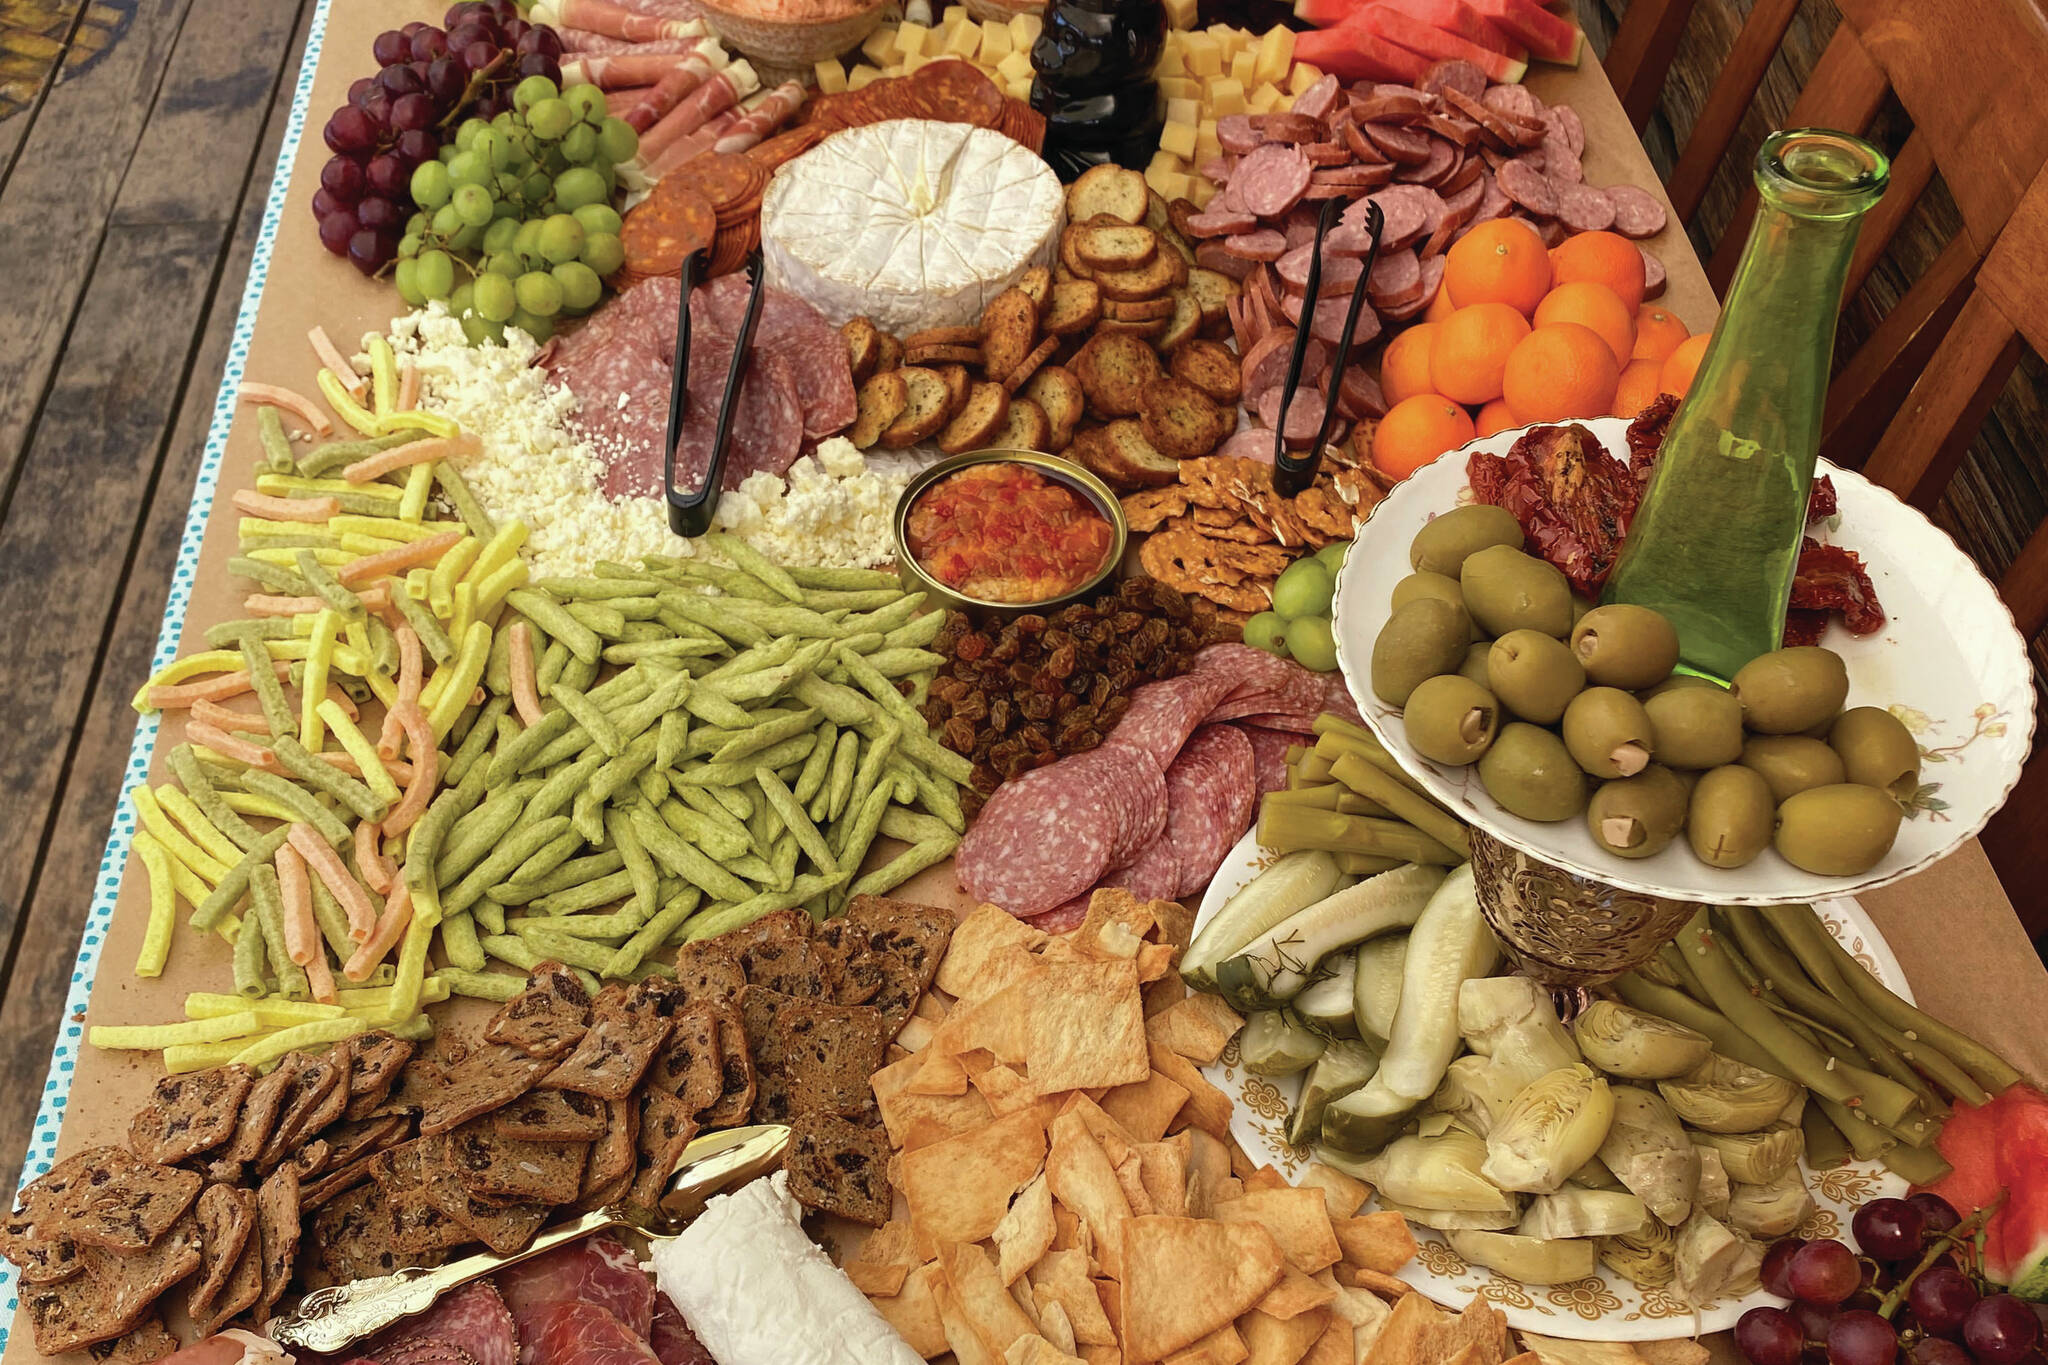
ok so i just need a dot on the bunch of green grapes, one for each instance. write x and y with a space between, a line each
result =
515 224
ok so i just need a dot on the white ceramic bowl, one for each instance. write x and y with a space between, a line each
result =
1949 663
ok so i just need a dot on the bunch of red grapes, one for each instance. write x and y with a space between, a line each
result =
428 79
1893 1303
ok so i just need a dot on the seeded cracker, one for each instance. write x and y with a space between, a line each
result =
504 1228
277 1224
615 1052
909 940
839 1167
123 1204
310 1159
809 1055
665 1130
735 1070
610 1168
260 1109
688 1064
709 968
551 1116
316 1097
187 1115
489 1077
414 1087
494 1167
244 1284
546 1019
112 1293
145 1342
843 947
775 952
225 1225
348 1141
376 1059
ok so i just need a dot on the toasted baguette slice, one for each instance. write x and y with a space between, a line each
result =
1109 189
891 354
863 347
1182 421
958 382
1089 448
1142 310
1148 466
881 401
1114 368
1116 248
1055 390
1070 258
942 336
1009 329
1150 328
1040 353
984 414
1213 290
924 410
1210 367
1075 307
1037 282
1185 323
1024 428
941 355
1165 271
1159 217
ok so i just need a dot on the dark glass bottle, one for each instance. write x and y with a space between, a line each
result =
1094 61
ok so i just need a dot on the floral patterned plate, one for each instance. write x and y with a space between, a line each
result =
1949 663
1605 1307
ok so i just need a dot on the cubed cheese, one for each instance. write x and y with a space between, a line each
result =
1017 64
1180 14
1201 191
1244 67
1172 62
1276 54
831 76
1024 30
995 43
910 39
1172 184
1183 111
1228 38
964 40
1018 88
1178 138
1265 99
1180 87
861 75
1206 143
1204 57
912 62
1163 160
1226 97
880 47
1302 77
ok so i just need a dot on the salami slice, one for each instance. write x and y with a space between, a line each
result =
1044 838
1391 104
473 1317
1140 786
1338 701
1063 919
1154 875
1224 224
1347 239
1236 134
1318 100
1355 177
1265 683
1272 179
1637 213
1583 208
1163 714
1361 146
1527 187
1269 756
1210 792
1265 244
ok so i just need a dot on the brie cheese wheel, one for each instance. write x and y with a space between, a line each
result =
912 223
757 1291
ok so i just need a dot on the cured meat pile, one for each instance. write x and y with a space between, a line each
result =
1155 809
1437 160
949 90
798 385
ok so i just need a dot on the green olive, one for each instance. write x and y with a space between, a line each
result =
1837 831
1426 584
1421 640
1474 666
1451 719
1534 675
1622 645
1267 631
1674 683
1636 817
1507 590
1695 727
1789 690
1608 732
1442 545
1730 817
1311 644
1531 775
1877 750
1580 607
1789 764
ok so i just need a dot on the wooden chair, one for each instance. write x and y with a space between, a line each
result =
1907 406
1967 74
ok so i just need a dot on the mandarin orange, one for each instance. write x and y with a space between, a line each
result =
1658 332
1679 367
1604 257
1560 372
1495 416
1593 305
1417 430
1502 261
1404 364
1637 388
1470 350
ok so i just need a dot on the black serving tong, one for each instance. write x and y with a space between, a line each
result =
690 513
1294 471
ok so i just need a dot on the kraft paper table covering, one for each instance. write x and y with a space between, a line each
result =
1951 927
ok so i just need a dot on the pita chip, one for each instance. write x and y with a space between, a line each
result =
1083 1179
1376 1241
986 950
886 1258
1163 994
1334 1346
1054 1326
901 1110
1197 1028
1267 1177
1114 926
1185 1277
1207 1107
1176 923
1296 1294
1344 1194
1281 1341
983 1300
1102 1355
1163 1169
1130 1174
959 1189
1673 1352
914 1312
1037 1351
1221 1347
1208 1167
1478 1335
1379 1282
1146 1108
1085 1027
962 1336
1025 1233
1298 1219
1061 1278
1406 1332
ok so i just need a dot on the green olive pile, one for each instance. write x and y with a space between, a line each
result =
1494 661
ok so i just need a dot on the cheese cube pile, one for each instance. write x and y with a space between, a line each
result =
1204 75
1001 51
1210 74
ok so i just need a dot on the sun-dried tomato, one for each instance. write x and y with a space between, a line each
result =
1822 502
1831 578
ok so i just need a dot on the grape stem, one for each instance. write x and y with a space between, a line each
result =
1966 1231
477 80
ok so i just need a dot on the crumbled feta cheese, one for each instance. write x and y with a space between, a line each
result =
833 509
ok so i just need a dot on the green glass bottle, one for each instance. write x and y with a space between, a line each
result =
1715 543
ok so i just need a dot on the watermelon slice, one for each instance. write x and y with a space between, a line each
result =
1324 13
1437 45
1354 53
1457 17
1998 1146
1549 37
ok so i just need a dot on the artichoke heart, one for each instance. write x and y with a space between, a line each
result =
1723 1095
1756 1158
1475 1093
1450 1220
1771 1209
1709 1259
1528 1259
1711 1194
1628 1042
1594 1175
1512 1020
1436 1173
1645 1257
1549 1130
1649 1153
1584 1213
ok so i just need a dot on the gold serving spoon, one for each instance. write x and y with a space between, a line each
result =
330 1320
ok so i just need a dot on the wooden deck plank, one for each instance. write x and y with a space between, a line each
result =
105 492
34 35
